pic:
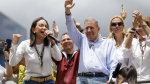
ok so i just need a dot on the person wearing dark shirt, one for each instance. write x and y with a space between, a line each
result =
67 67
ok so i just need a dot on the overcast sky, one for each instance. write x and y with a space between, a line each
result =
25 11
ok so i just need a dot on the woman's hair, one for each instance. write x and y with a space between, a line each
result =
146 19
33 35
129 74
132 76
111 34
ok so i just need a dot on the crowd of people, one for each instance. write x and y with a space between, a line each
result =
39 60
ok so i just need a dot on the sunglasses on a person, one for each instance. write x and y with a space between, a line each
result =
120 24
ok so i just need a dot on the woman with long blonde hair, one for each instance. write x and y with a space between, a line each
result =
117 33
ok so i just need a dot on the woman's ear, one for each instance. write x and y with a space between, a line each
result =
33 30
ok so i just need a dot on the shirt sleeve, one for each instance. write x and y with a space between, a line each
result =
16 54
111 59
73 32
2 71
126 53
56 53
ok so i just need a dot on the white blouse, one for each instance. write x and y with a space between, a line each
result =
33 67
141 62
119 54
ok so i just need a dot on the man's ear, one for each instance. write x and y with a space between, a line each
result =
99 29
60 43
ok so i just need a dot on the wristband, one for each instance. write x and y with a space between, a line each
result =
6 60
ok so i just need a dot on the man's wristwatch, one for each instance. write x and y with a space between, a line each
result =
6 60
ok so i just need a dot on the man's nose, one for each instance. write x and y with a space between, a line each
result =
88 29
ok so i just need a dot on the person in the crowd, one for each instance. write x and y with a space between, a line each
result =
15 69
127 75
37 52
146 19
67 68
7 71
138 49
117 34
97 58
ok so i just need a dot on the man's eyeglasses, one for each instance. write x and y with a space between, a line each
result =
120 24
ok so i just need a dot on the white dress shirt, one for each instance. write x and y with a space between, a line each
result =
32 62
135 58
97 56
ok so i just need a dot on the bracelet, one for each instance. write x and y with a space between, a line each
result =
6 60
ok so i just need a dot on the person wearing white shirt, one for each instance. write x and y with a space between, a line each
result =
138 49
37 52
117 35
97 60
8 71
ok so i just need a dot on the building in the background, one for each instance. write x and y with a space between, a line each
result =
7 28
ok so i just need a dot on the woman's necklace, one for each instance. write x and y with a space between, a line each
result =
118 44
40 55
142 48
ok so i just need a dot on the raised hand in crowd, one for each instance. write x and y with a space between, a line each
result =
68 5
123 12
16 38
137 18
138 22
55 29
